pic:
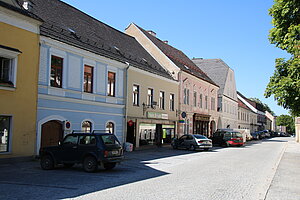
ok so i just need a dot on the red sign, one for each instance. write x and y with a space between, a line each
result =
130 123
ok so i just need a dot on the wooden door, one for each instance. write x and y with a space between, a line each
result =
52 133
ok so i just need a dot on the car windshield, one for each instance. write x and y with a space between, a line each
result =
200 137
109 139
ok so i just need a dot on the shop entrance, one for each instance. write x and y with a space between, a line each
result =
131 133
52 133
201 124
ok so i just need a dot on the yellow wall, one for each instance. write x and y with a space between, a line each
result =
21 103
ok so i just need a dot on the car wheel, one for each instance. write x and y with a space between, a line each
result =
192 147
68 165
90 164
174 146
109 166
47 162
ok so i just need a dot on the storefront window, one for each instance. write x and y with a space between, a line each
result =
4 133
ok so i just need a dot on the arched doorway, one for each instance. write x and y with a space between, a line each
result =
212 128
52 133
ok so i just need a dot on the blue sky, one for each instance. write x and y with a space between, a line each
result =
235 31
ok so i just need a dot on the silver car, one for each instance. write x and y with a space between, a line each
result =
192 142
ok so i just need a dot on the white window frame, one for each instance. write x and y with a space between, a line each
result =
13 55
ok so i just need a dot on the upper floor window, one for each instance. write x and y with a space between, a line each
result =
150 97
111 84
206 102
162 100
110 127
195 99
86 126
186 96
213 103
8 66
88 79
200 101
135 95
56 71
172 103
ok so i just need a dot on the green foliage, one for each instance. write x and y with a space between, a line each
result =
285 82
265 106
288 121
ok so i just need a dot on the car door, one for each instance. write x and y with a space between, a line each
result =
181 141
69 149
188 141
86 144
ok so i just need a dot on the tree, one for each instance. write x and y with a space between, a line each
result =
288 121
285 82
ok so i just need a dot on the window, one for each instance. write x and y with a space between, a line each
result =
87 140
5 122
185 96
135 95
188 97
150 97
71 139
206 102
56 71
109 140
111 83
88 79
86 126
8 66
162 100
172 103
6 71
213 102
110 127
201 101
195 99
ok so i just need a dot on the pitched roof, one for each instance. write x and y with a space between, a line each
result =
15 6
178 58
67 24
241 104
216 69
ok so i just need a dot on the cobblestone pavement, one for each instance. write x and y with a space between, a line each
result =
162 173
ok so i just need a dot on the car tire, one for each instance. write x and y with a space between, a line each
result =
109 166
69 165
47 162
174 146
192 147
90 164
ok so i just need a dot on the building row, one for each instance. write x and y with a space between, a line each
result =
62 70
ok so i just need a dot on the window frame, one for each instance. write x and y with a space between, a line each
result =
12 55
136 95
172 102
111 84
108 128
9 134
161 100
86 76
195 99
150 97
56 67
85 129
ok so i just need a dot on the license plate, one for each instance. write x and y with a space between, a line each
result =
114 152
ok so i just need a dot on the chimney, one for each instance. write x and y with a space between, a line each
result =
166 41
152 33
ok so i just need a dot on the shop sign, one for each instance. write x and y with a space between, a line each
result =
130 123
202 118
156 115
181 121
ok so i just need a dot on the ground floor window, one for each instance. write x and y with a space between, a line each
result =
4 133
110 127
86 127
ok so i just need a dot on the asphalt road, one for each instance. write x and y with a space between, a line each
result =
162 173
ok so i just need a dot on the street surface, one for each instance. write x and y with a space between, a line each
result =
161 173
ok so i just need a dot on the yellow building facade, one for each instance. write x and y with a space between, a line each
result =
19 61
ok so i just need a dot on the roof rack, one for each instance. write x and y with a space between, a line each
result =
93 132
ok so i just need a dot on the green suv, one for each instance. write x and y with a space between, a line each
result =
89 149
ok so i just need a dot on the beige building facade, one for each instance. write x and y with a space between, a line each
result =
152 106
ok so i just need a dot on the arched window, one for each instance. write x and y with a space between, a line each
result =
86 126
110 127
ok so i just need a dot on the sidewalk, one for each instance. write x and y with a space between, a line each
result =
286 182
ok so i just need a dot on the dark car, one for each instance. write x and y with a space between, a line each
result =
227 137
255 135
89 149
192 142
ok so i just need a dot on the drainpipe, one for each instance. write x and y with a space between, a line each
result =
126 103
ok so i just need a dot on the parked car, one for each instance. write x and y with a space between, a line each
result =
255 135
227 137
192 142
89 149
262 135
